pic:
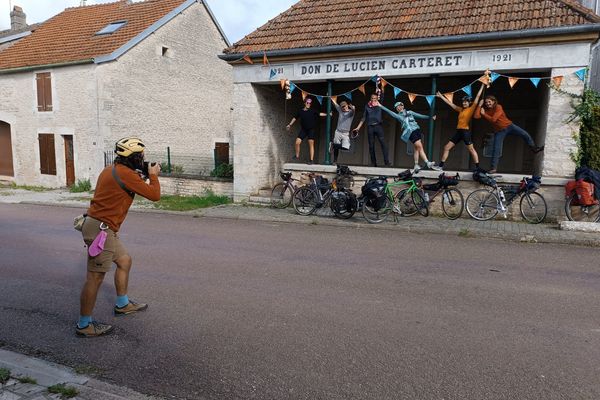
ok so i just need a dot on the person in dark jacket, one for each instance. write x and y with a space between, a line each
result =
373 118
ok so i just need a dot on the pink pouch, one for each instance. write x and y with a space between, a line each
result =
98 244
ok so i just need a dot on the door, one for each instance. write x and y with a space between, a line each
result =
69 160
6 158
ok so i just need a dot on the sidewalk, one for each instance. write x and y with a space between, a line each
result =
43 374
465 227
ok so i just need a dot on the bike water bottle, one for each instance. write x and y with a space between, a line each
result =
501 192
426 196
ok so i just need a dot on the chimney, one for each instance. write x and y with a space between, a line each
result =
17 19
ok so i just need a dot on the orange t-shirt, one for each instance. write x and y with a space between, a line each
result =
111 203
496 117
465 116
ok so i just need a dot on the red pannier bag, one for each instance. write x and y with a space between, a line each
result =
585 193
569 190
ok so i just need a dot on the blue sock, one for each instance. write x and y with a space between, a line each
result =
84 320
122 301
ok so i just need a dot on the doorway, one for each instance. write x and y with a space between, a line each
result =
69 160
6 158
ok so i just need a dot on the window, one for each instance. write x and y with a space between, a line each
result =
221 153
165 51
111 28
44 91
47 154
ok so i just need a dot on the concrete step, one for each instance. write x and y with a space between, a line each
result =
261 200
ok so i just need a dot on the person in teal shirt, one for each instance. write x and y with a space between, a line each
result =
411 132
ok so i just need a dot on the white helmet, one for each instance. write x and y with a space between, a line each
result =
128 146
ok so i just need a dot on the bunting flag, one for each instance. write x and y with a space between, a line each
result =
272 74
449 96
430 99
512 81
320 99
535 81
292 87
383 83
248 59
348 95
397 91
581 74
334 99
282 83
265 59
412 97
304 94
557 80
362 89
374 78
467 90
494 76
485 79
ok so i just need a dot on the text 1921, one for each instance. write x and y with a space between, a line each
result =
502 57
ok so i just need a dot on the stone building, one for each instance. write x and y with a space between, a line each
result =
329 47
93 74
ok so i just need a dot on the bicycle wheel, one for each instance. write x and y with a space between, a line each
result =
482 205
533 207
453 203
281 195
581 213
305 200
343 204
420 203
376 216
404 204
345 181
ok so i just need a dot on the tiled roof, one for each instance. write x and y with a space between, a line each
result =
71 35
317 23
11 32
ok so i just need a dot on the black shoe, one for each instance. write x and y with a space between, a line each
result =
295 159
310 162
537 149
388 164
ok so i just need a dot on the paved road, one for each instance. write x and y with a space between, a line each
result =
258 310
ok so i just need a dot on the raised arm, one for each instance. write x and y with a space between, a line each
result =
390 112
420 116
478 94
477 114
445 100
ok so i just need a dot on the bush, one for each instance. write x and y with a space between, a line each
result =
81 186
586 111
175 168
223 171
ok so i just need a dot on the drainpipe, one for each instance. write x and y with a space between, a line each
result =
328 123
431 121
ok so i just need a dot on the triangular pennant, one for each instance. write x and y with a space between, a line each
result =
449 97
383 83
467 90
494 76
282 83
248 59
272 74
512 81
292 87
430 99
362 89
265 59
557 80
304 94
412 97
348 95
397 91
485 79
334 99
535 81
320 99
374 78
581 74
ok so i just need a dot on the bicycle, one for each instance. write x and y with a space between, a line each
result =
575 211
320 193
485 204
452 198
377 206
282 192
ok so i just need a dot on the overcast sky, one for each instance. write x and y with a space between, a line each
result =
236 17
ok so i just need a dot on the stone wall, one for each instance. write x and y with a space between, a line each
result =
195 187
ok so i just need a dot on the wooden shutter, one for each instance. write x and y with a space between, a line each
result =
44 91
221 153
47 154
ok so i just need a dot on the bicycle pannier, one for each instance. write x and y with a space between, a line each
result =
569 190
585 193
446 180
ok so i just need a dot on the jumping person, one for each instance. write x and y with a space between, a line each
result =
493 112
374 120
463 128
308 124
341 140
411 131
115 189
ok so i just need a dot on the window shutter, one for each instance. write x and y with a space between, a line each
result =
40 92
48 93
47 154
44 91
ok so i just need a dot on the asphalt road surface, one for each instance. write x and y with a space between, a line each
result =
256 310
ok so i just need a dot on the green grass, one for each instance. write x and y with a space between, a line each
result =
81 186
66 392
27 379
465 233
187 203
26 187
4 375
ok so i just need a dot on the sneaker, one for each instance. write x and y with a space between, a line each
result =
537 149
432 165
416 169
295 159
94 329
492 171
130 308
310 162
388 164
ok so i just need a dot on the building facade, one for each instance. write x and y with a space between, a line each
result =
158 81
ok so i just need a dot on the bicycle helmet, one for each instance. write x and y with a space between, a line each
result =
129 145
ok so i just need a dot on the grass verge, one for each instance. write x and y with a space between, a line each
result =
187 203
4 375
27 379
66 392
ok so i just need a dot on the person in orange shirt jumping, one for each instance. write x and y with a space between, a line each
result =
493 112
463 128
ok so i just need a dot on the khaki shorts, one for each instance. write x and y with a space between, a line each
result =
342 138
113 248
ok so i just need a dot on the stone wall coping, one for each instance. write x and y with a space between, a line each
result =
197 178
427 174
